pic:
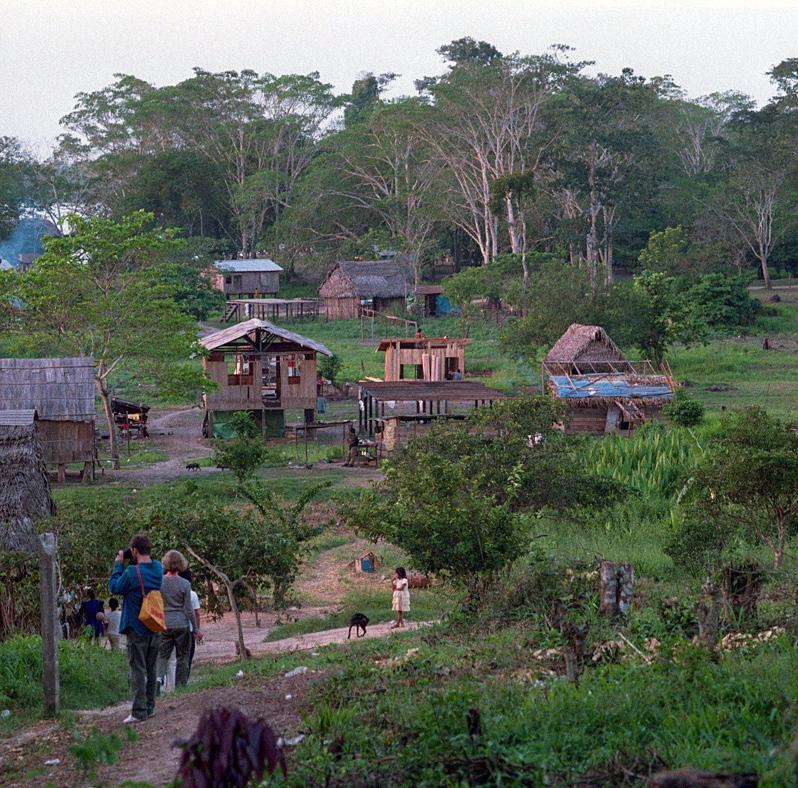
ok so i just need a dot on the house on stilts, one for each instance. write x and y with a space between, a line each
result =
263 369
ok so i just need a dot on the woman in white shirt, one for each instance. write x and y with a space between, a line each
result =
401 596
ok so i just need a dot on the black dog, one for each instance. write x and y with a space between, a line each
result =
192 466
358 621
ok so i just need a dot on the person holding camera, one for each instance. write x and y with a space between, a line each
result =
141 576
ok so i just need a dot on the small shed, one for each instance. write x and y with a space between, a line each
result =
247 278
427 298
584 350
382 285
424 358
261 368
365 563
61 391
24 486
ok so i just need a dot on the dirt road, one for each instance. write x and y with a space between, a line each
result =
40 755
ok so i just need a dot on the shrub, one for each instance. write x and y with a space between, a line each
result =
329 367
684 410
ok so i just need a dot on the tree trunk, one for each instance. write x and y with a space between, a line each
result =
113 446
708 615
617 582
243 652
763 262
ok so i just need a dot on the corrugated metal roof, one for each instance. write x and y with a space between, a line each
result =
15 418
59 389
258 265
610 387
240 330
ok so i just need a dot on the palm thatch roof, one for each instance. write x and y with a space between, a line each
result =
257 334
588 345
59 389
24 486
368 279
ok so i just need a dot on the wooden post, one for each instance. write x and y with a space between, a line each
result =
49 622
616 588
61 473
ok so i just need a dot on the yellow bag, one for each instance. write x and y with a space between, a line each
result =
151 613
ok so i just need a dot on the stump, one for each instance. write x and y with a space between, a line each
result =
617 582
708 615
742 584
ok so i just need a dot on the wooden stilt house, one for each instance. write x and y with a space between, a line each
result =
263 369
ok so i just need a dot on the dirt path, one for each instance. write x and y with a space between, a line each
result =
178 432
39 754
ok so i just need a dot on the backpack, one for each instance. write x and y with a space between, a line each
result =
151 613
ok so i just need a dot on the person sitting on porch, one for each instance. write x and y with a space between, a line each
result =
354 442
457 375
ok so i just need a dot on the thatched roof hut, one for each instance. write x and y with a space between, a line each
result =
384 284
584 350
24 486
61 391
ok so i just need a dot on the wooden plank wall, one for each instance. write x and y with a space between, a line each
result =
342 308
303 393
227 397
67 441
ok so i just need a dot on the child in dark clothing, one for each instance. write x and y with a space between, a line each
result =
92 610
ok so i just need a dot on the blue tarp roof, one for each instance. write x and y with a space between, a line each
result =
612 387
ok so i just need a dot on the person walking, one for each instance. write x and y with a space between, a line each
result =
141 576
112 620
178 617
196 635
92 610
401 596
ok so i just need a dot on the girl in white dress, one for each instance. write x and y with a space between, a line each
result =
401 596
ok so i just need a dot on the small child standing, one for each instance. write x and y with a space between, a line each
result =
112 619
401 596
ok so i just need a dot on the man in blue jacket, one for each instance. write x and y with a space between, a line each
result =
142 574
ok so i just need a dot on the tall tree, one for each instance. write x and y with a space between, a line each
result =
488 124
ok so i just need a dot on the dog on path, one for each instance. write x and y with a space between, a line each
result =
192 466
358 621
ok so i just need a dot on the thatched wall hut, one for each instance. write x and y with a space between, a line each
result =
61 391
584 350
24 487
382 285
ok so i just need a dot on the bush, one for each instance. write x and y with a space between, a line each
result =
684 410
329 367
723 301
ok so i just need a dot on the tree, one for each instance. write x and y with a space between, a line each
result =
244 453
12 183
98 292
662 316
487 124
749 476
245 548
455 499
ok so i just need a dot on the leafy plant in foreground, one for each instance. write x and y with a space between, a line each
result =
228 749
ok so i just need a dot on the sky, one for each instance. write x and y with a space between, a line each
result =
52 49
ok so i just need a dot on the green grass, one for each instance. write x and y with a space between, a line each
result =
90 677
425 605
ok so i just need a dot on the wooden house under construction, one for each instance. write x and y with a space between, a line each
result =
24 486
603 390
61 391
424 358
260 368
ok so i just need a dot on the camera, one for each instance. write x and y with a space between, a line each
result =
127 554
